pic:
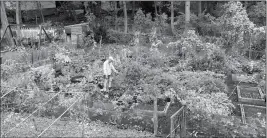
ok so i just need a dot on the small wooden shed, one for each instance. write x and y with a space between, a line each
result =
74 32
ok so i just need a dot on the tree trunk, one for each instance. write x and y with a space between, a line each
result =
172 17
199 8
125 17
133 13
160 9
18 19
116 16
187 15
4 22
133 9
156 12
41 11
205 6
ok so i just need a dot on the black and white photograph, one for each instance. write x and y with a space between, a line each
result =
106 68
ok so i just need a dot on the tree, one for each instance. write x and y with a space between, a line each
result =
187 15
125 17
18 18
172 17
155 5
41 12
116 15
5 24
199 8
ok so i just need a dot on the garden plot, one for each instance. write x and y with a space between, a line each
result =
135 118
250 95
250 112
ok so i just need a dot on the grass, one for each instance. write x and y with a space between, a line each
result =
65 128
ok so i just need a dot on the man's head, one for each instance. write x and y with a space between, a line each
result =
111 59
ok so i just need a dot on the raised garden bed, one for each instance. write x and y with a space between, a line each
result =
250 95
252 111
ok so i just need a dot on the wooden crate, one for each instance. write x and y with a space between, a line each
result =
253 101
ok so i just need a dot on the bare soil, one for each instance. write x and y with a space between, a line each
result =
250 93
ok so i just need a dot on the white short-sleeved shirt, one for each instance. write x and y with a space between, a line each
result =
108 67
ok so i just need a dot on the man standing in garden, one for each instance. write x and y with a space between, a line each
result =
108 69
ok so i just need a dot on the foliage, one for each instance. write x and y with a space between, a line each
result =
258 41
161 22
198 55
202 82
119 37
205 24
234 22
257 13
142 22
90 18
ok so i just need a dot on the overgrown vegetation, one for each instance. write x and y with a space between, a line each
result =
191 67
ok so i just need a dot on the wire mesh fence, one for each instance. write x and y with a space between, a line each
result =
32 116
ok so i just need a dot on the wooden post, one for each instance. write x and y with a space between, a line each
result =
78 38
18 20
183 124
99 47
32 55
12 35
5 24
83 115
265 69
47 35
3 34
40 34
36 19
155 116
172 128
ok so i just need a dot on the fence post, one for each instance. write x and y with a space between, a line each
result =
40 34
12 35
155 117
172 128
183 124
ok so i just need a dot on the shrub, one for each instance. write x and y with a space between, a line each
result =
119 37
199 55
202 82
233 23
143 22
